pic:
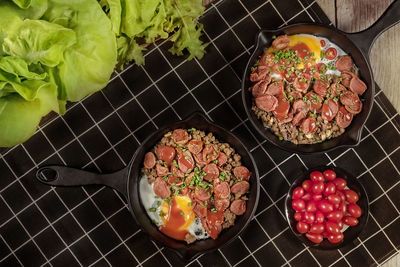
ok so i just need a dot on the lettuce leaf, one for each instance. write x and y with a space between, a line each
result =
51 51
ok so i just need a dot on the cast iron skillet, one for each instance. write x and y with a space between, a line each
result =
352 232
126 181
357 45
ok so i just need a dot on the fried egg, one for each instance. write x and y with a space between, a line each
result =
174 217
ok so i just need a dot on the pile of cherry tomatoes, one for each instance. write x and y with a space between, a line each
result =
323 206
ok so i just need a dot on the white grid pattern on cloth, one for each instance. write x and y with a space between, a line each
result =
89 196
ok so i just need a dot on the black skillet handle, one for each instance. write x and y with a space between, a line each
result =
367 37
65 176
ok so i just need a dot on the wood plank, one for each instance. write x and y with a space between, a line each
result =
328 6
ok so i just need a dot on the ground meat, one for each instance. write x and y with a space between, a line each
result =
190 238
229 219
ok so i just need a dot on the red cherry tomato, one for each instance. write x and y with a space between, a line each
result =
298 216
307 196
307 185
341 195
325 206
342 207
302 227
317 228
332 228
331 53
351 196
317 197
329 175
340 183
318 187
315 238
311 206
316 176
335 216
323 43
334 199
354 210
319 217
298 204
308 217
298 192
335 238
351 221
340 224
330 189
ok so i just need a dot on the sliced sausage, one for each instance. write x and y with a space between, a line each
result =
211 171
348 98
238 207
180 136
308 125
281 42
195 146
161 170
283 107
346 78
199 159
222 158
314 101
321 87
344 63
240 188
259 89
166 153
285 118
259 73
329 109
275 88
301 84
267 60
242 172
357 86
161 188
298 118
222 190
336 88
267 102
185 162
177 172
295 95
209 153
299 105
355 108
201 194
200 209
343 118
221 204
149 160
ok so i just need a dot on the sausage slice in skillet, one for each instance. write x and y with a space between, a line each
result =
321 87
329 109
222 190
301 84
161 170
308 125
357 86
222 158
195 146
185 162
346 78
267 102
259 73
201 194
281 42
259 89
180 136
238 206
161 188
211 171
149 160
209 153
221 204
343 118
355 108
275 88
166 153
344 63
242 172
240 188
348 98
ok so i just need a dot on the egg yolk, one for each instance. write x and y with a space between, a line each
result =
177 217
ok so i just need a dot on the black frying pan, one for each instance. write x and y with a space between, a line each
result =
126 181
357 45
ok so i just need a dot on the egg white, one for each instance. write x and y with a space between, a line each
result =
150 200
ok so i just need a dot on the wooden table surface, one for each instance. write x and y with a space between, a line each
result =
356 15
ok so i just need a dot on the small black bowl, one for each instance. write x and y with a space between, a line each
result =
350 233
